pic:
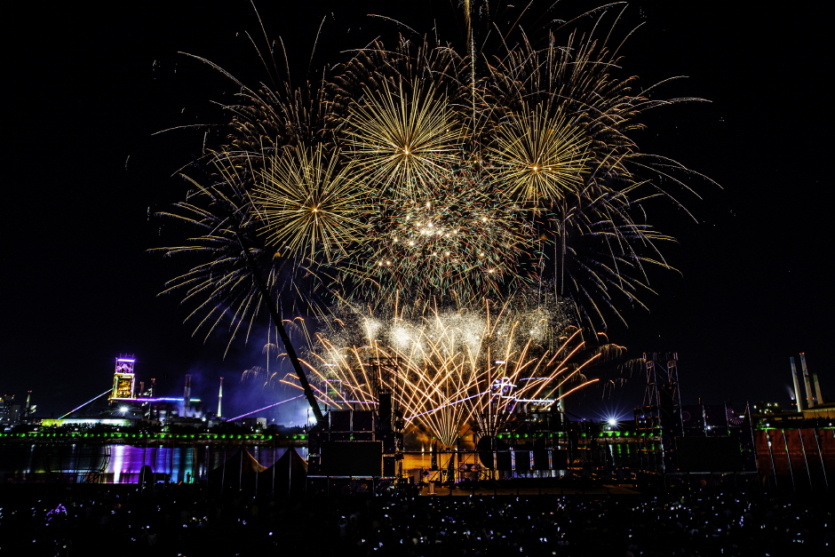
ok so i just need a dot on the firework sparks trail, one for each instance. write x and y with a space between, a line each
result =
426 170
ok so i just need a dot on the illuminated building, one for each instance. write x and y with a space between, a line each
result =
124 380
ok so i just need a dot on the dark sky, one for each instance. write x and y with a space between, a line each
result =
85 88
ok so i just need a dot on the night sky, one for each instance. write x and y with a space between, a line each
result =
86 88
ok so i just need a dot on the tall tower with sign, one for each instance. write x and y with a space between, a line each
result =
124 380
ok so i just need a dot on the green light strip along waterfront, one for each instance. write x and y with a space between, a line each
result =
155 439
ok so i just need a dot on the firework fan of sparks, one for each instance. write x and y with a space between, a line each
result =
449 371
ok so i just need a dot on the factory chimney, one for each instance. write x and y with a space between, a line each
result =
219 397
187 394
797 396
810 396
818 392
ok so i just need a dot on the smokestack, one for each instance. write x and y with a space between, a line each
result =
220 398
797 396
817 388
810 397
187 393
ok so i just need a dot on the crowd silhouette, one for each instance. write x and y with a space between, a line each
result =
194 520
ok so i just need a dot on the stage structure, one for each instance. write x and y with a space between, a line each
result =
362 443
358 447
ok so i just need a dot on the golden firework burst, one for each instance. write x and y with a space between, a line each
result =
403 136
539 156
309 203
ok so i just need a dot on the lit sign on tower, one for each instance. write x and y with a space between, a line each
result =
123 379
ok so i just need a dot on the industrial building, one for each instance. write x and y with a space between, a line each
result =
792 448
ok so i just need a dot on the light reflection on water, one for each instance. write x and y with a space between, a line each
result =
117 460
123 463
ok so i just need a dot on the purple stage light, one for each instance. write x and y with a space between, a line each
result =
85 404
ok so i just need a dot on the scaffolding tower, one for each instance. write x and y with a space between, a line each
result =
658 420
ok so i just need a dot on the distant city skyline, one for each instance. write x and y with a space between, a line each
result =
87 173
